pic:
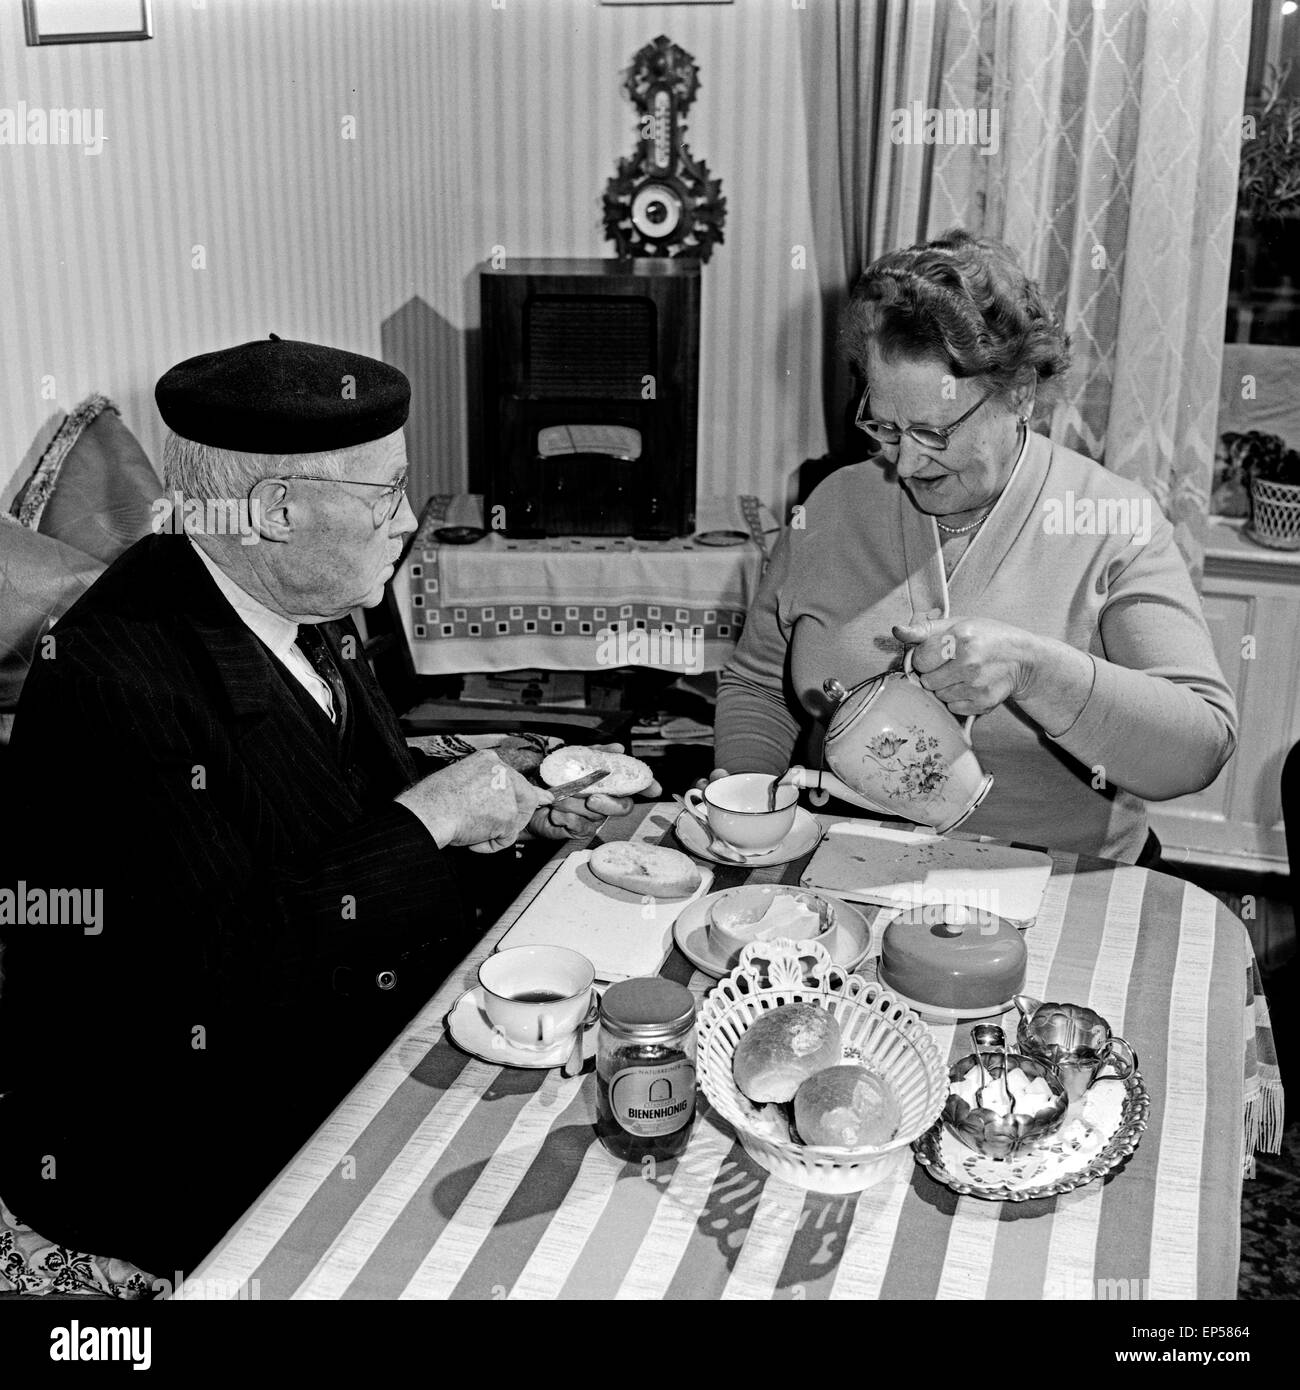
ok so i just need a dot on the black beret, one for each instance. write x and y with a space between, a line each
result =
282 397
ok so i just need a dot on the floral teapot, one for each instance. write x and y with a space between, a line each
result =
895 748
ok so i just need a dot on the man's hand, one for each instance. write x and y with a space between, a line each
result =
478 802
579 817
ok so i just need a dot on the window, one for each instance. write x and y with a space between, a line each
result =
1259 407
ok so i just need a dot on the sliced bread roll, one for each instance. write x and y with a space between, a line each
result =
626 776
779 1051
647 870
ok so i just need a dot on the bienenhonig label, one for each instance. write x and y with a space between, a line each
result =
655 1100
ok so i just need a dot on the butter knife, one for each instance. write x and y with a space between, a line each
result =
577 785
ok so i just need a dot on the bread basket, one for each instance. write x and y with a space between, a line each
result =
878 1031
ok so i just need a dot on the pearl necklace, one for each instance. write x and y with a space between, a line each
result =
961 530
1023 422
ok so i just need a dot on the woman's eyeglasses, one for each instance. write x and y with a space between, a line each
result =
385 506
927 436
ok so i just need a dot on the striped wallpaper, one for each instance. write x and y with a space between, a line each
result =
478 123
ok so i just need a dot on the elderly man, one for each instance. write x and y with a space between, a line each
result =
280 887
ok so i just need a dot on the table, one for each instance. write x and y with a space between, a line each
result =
579 603
445 1177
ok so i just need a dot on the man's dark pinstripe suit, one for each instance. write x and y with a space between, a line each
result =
258 883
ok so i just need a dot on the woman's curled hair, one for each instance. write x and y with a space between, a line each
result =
963 301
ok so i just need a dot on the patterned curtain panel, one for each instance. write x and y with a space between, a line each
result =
863 60
1106 154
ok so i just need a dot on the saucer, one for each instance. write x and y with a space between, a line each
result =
470 1030
801 838
848 942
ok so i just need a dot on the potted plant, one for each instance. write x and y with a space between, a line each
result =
1268 195
1271 472
1268 180
1228 496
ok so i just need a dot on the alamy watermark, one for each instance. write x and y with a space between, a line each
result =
206 516
52 907
93 1342
956 908
666 647
1091 1289
193 1290
1098 516
951 125
38 125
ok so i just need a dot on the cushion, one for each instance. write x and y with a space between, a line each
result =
40 577
94 487
89 498
30 1264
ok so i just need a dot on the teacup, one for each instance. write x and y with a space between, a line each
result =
537 996
735 809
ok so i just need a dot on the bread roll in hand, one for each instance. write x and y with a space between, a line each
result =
626 776
847 1107
580 814
782 1048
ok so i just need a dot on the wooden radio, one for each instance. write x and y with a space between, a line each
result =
590 377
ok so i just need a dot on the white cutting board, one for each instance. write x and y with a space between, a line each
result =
903 868
622 934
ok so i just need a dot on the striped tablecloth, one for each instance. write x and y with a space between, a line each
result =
442 1176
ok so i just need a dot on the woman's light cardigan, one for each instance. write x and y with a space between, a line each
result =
1070 551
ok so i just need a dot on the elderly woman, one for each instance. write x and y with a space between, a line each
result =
1036 589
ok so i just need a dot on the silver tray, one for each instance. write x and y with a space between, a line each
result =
1072 1157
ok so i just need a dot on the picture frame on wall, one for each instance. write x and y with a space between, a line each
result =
87 21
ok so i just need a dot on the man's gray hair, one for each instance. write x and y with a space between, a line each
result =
219 475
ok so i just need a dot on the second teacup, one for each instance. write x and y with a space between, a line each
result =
537 996
735 809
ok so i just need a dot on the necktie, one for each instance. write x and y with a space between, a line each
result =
312 644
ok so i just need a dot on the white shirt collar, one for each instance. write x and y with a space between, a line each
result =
277 632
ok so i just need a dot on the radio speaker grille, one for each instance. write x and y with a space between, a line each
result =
589 345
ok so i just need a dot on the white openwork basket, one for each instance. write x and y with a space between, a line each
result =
878 1031
1275 514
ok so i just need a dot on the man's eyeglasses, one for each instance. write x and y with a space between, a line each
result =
385 506
927 436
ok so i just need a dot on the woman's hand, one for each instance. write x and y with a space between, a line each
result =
714 776
972 664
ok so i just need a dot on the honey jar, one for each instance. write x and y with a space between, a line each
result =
645 1068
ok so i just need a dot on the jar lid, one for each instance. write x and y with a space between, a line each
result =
647 1004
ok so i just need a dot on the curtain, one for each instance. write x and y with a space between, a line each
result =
1112 171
